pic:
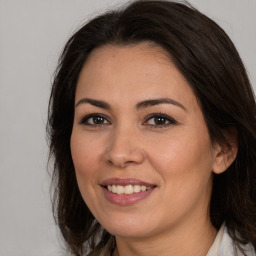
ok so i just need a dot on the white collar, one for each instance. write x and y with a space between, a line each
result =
223 245
213 251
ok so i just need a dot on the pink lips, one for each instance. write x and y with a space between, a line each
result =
124 199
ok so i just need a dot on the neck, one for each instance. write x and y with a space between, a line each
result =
193 240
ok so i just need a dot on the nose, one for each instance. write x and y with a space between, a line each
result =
124 149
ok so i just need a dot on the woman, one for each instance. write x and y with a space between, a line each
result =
152 124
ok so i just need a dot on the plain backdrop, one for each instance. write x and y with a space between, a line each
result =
32 34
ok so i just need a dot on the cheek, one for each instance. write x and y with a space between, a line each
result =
182 151
85 151
184 166
84 159
184 159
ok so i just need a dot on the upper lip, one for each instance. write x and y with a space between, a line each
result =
126 181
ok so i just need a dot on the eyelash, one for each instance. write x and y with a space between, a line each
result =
170 121
161 117
85 120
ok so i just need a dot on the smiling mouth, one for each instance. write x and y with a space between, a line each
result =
128 189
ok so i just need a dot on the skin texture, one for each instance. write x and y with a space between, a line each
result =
177 157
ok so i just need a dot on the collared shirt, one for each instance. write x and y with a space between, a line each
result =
228 247
213 251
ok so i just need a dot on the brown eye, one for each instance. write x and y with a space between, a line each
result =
94 120
160 120
98 120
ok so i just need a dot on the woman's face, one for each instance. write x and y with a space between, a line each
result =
140 146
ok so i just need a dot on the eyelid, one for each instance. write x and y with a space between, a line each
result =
86 117
171 120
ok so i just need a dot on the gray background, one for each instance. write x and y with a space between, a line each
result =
32 34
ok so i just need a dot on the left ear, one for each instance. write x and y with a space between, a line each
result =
225 154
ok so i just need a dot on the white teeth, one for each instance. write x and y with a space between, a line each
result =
136 188
128 189
114 190
119 189
143 188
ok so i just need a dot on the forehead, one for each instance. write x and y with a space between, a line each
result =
142 58
128 50
143 69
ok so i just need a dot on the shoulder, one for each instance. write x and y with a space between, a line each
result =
228 247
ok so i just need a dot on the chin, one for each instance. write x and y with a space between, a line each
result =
129 227
130 232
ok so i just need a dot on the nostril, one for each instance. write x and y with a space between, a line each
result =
121 160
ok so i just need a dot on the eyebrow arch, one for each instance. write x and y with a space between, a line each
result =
97 103
153 102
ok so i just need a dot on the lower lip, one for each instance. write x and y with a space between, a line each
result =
124 199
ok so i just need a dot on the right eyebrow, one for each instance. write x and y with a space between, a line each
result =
153 102
97 103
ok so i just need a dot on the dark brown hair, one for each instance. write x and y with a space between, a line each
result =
207 58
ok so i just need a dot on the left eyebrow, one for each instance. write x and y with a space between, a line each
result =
97 103
153 102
